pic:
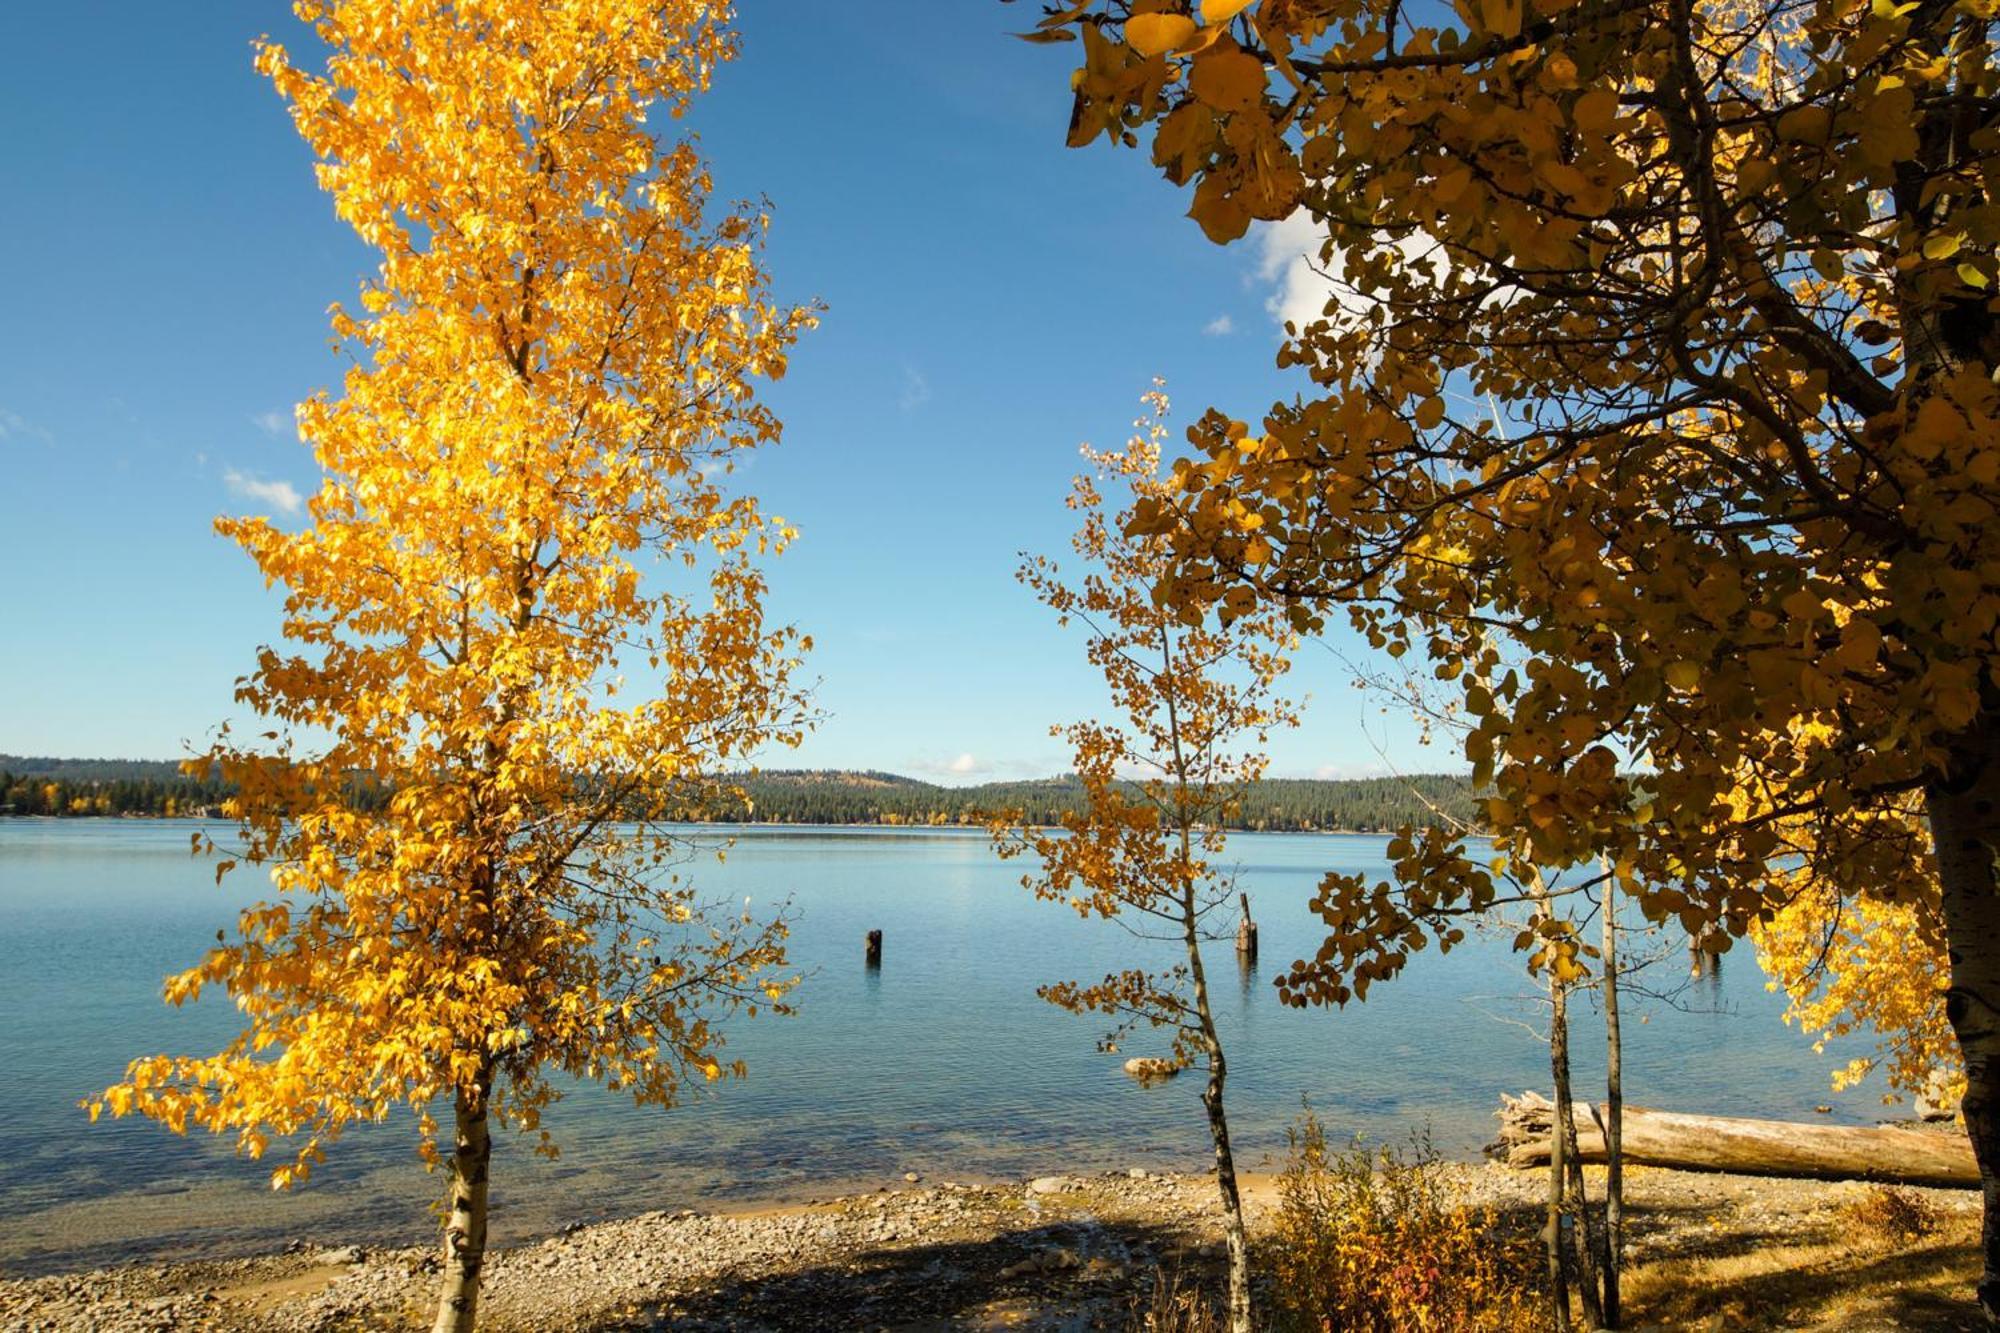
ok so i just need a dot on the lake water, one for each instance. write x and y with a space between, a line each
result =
944 1062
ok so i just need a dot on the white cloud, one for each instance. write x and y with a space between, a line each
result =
1219 327
14 426
916 390
1288 259
280 495
966 765
275 423
1337 772
1304 290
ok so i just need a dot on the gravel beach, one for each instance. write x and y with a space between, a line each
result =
1054 1252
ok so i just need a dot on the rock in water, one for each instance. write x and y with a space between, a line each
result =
1938 1100
1151 1069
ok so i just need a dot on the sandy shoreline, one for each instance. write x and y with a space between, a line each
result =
1055 1252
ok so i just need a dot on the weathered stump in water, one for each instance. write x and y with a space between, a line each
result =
1704 959
1246 934
874 954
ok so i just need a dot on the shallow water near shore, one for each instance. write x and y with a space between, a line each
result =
944 1062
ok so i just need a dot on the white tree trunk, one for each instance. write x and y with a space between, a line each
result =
1614 1114
1218 1129
465 1228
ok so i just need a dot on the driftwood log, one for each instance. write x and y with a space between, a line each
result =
1744 1147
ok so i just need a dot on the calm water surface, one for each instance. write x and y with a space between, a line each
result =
944 1062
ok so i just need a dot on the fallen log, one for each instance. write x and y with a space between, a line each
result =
1742 1147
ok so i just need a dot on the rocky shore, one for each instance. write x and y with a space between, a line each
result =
1055 1252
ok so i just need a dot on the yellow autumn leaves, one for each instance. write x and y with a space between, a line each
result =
1196 698
525 614
1664 440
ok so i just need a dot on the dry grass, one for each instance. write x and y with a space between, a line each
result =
1824 1282
1176 1303
1892 1217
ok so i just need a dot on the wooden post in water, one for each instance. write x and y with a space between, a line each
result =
1704 959
875 948
1246 934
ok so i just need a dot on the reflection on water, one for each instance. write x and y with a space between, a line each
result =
941 1061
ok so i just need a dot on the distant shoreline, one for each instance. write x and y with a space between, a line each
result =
957 827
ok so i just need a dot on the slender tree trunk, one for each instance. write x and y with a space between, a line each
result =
465 1229
1218 1129
1558 1152
1965 824
1232 1202
1565 1127
1614 1114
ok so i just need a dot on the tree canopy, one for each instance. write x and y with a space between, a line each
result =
1653 407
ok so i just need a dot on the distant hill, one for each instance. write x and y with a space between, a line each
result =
91 770
45 786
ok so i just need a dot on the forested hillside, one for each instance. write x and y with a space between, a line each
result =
75 787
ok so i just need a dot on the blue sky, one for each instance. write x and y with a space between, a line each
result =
995 299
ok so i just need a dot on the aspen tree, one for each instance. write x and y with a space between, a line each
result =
1197 701
524 619
1728 268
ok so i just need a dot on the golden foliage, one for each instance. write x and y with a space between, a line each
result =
524 617
1197 695
1653 416
1866 966
1370 1242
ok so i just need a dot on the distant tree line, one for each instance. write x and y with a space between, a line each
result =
129 787
78 787
31 786
1274 805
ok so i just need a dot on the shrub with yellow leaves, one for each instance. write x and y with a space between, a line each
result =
1864 966
1370 1242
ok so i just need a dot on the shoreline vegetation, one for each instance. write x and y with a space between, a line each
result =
134 788
1048 1252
